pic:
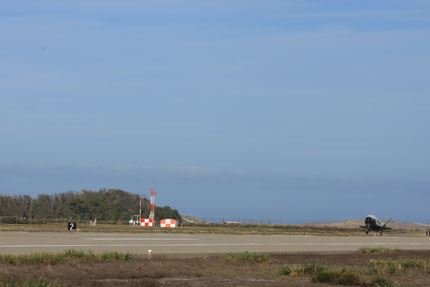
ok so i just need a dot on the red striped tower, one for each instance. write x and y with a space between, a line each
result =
152 204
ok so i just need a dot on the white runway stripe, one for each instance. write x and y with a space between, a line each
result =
141 239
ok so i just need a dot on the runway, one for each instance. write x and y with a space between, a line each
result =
28 242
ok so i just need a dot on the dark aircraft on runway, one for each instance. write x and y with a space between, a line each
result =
373 223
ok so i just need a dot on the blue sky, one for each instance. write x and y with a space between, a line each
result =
290 110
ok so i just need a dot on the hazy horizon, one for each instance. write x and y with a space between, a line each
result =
295 110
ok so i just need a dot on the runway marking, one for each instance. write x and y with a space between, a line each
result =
141 239
212 244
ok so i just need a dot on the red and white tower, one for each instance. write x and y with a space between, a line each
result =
152 204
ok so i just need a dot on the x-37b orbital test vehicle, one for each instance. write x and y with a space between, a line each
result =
373 223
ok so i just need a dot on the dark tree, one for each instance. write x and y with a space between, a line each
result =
105 205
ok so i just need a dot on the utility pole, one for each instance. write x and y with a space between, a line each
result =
31 210
152 204
140 207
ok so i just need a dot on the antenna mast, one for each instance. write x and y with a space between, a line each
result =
140 207
152 204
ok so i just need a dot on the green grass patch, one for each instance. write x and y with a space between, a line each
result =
65 256
377 250
389 266
380 281
322 274
343 277
28 283
302 269
291 270
248 257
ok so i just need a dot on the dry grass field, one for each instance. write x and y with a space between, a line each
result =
337 230
367 267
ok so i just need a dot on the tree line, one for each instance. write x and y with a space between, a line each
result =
111 205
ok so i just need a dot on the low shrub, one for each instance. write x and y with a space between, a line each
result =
389 266
305 269
312 268
343 277
115 256
377 250
291 270
248 257
382 282
320 273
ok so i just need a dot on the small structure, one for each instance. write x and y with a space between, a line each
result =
168 223
134 220
147 222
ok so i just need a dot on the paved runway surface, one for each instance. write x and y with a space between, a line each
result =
25 242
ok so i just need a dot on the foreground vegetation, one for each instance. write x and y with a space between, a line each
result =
85 268
63 257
